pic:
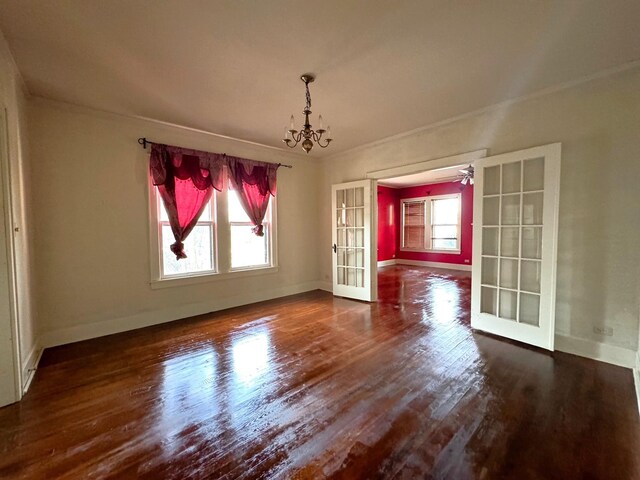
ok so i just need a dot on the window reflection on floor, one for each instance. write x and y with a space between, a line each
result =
251 357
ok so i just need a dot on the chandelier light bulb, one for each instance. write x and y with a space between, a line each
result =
292 125
320 122
328 132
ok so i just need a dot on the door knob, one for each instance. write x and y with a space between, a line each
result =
335 248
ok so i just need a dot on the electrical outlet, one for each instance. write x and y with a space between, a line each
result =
606 331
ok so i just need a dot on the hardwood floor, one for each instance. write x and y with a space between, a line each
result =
313 386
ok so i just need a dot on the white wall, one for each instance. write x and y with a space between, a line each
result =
91 220
13 98
598 123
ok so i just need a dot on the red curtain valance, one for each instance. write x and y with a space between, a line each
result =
186 178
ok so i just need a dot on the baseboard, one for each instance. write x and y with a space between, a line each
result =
30 365
386 263
326 286
423 263
596 350
78 333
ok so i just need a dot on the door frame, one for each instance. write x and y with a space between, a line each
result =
467 158
10 251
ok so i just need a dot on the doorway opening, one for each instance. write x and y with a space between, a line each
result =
425 241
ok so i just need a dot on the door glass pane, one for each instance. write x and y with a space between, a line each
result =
359 217
351 237
351 257
533 174
491 180
351 277
490 211
341 257
342 237
350 197
508 304
532 208
530 276
340 199
510 210
530 309
341 276
359 237
359 197
509 241
360 257
511 177
359 278
489 300
341 217
489 271
531 242
350 217
508 273
489 241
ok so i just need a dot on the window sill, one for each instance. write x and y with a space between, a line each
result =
211 277
419 250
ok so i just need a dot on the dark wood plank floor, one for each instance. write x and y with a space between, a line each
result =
312 386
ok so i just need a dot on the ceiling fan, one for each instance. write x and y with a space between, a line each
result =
465 176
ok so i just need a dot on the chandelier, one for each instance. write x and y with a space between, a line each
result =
292 137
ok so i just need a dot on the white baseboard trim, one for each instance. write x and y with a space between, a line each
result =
386 263
596 350
30 365
78 333
423 263
326 286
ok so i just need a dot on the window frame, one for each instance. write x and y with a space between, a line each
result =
428 223
221 244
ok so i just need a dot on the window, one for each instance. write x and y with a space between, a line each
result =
247 249
431 223
221 242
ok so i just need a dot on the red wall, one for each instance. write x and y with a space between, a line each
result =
388 228
389 234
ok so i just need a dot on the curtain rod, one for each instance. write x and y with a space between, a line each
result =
144 142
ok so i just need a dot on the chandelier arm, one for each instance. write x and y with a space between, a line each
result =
328 140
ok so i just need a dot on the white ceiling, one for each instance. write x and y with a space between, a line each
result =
233 67
430 176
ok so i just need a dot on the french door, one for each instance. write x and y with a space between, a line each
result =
515 223
353 229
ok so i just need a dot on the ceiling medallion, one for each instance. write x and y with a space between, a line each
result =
307 135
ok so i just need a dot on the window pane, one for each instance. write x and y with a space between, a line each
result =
197 246
445 231
414 237
445 211
248 249
236 212
206 214
442 244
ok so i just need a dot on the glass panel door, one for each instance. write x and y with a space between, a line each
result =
515 230
352 240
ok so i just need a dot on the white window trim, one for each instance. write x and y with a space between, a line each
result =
155 254
428 223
